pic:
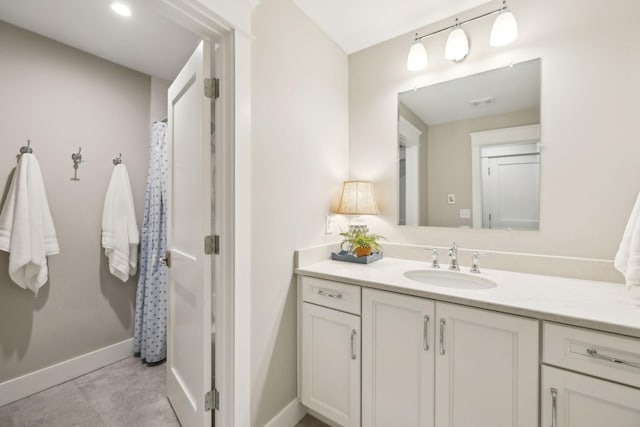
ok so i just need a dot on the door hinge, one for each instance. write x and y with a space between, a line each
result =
212 245
488 171
212 400
212 88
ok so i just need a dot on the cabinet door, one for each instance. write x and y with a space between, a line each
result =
582 401
397 360
331 364
486 368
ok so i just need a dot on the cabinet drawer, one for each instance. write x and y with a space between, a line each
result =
331 294
600 354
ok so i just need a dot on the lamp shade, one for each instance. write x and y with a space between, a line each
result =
417 59
457 47
505 30
357 199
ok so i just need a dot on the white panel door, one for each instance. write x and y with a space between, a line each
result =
511 192
486 368
331 364
188 221
397 360
582 401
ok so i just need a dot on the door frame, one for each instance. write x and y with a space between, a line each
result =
516 134
226 24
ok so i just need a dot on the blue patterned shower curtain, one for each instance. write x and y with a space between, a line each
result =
150 337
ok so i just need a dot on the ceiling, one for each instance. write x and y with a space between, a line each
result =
513 88
359 24
146 41
152 44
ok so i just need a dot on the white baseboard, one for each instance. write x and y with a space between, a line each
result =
289 416
33 382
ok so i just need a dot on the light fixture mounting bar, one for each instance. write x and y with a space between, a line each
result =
502 8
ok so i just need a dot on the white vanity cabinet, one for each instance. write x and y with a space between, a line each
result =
427 363
330 350
486 368
397 360
572 399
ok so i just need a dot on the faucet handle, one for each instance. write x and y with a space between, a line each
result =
475 257
434 257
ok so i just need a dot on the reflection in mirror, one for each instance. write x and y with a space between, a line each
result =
469 151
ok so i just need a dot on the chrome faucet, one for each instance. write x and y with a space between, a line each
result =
474 261
453 253
434 257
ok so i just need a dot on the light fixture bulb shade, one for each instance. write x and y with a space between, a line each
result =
457 47
357 199
505 30
417 59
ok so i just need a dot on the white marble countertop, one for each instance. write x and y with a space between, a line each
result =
598 305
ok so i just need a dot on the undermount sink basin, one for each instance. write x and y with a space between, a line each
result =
449 279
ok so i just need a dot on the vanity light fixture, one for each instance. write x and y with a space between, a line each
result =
503 32
417 59
357 199
121 9
457 47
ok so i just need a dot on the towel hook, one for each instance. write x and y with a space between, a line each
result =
25 149
117 160
77 159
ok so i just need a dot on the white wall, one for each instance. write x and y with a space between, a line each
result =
589 173
300 158
63 98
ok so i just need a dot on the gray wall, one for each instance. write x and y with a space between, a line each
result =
299 160
61 99
589 112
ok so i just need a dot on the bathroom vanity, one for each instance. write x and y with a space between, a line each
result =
396 343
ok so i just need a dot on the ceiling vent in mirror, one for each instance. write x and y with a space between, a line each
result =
482 101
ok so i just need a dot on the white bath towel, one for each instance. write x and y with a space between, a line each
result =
26 226
120 236
627 259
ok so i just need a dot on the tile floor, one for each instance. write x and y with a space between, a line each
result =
125 394
309 421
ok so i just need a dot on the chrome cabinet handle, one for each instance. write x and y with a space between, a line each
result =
592 352
442 323
336 295
425 334
353 345
554 407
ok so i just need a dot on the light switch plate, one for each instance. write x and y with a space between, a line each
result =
328 225
465 213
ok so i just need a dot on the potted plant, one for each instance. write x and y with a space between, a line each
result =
360 243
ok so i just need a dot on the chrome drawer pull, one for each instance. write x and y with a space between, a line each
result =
442 323
554 407
425 337
594 353
353 344
323 293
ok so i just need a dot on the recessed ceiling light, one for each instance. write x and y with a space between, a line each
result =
121 9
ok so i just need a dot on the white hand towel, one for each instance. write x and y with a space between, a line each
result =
119 228
627 259
26 226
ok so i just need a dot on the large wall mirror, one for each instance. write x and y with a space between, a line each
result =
469 151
